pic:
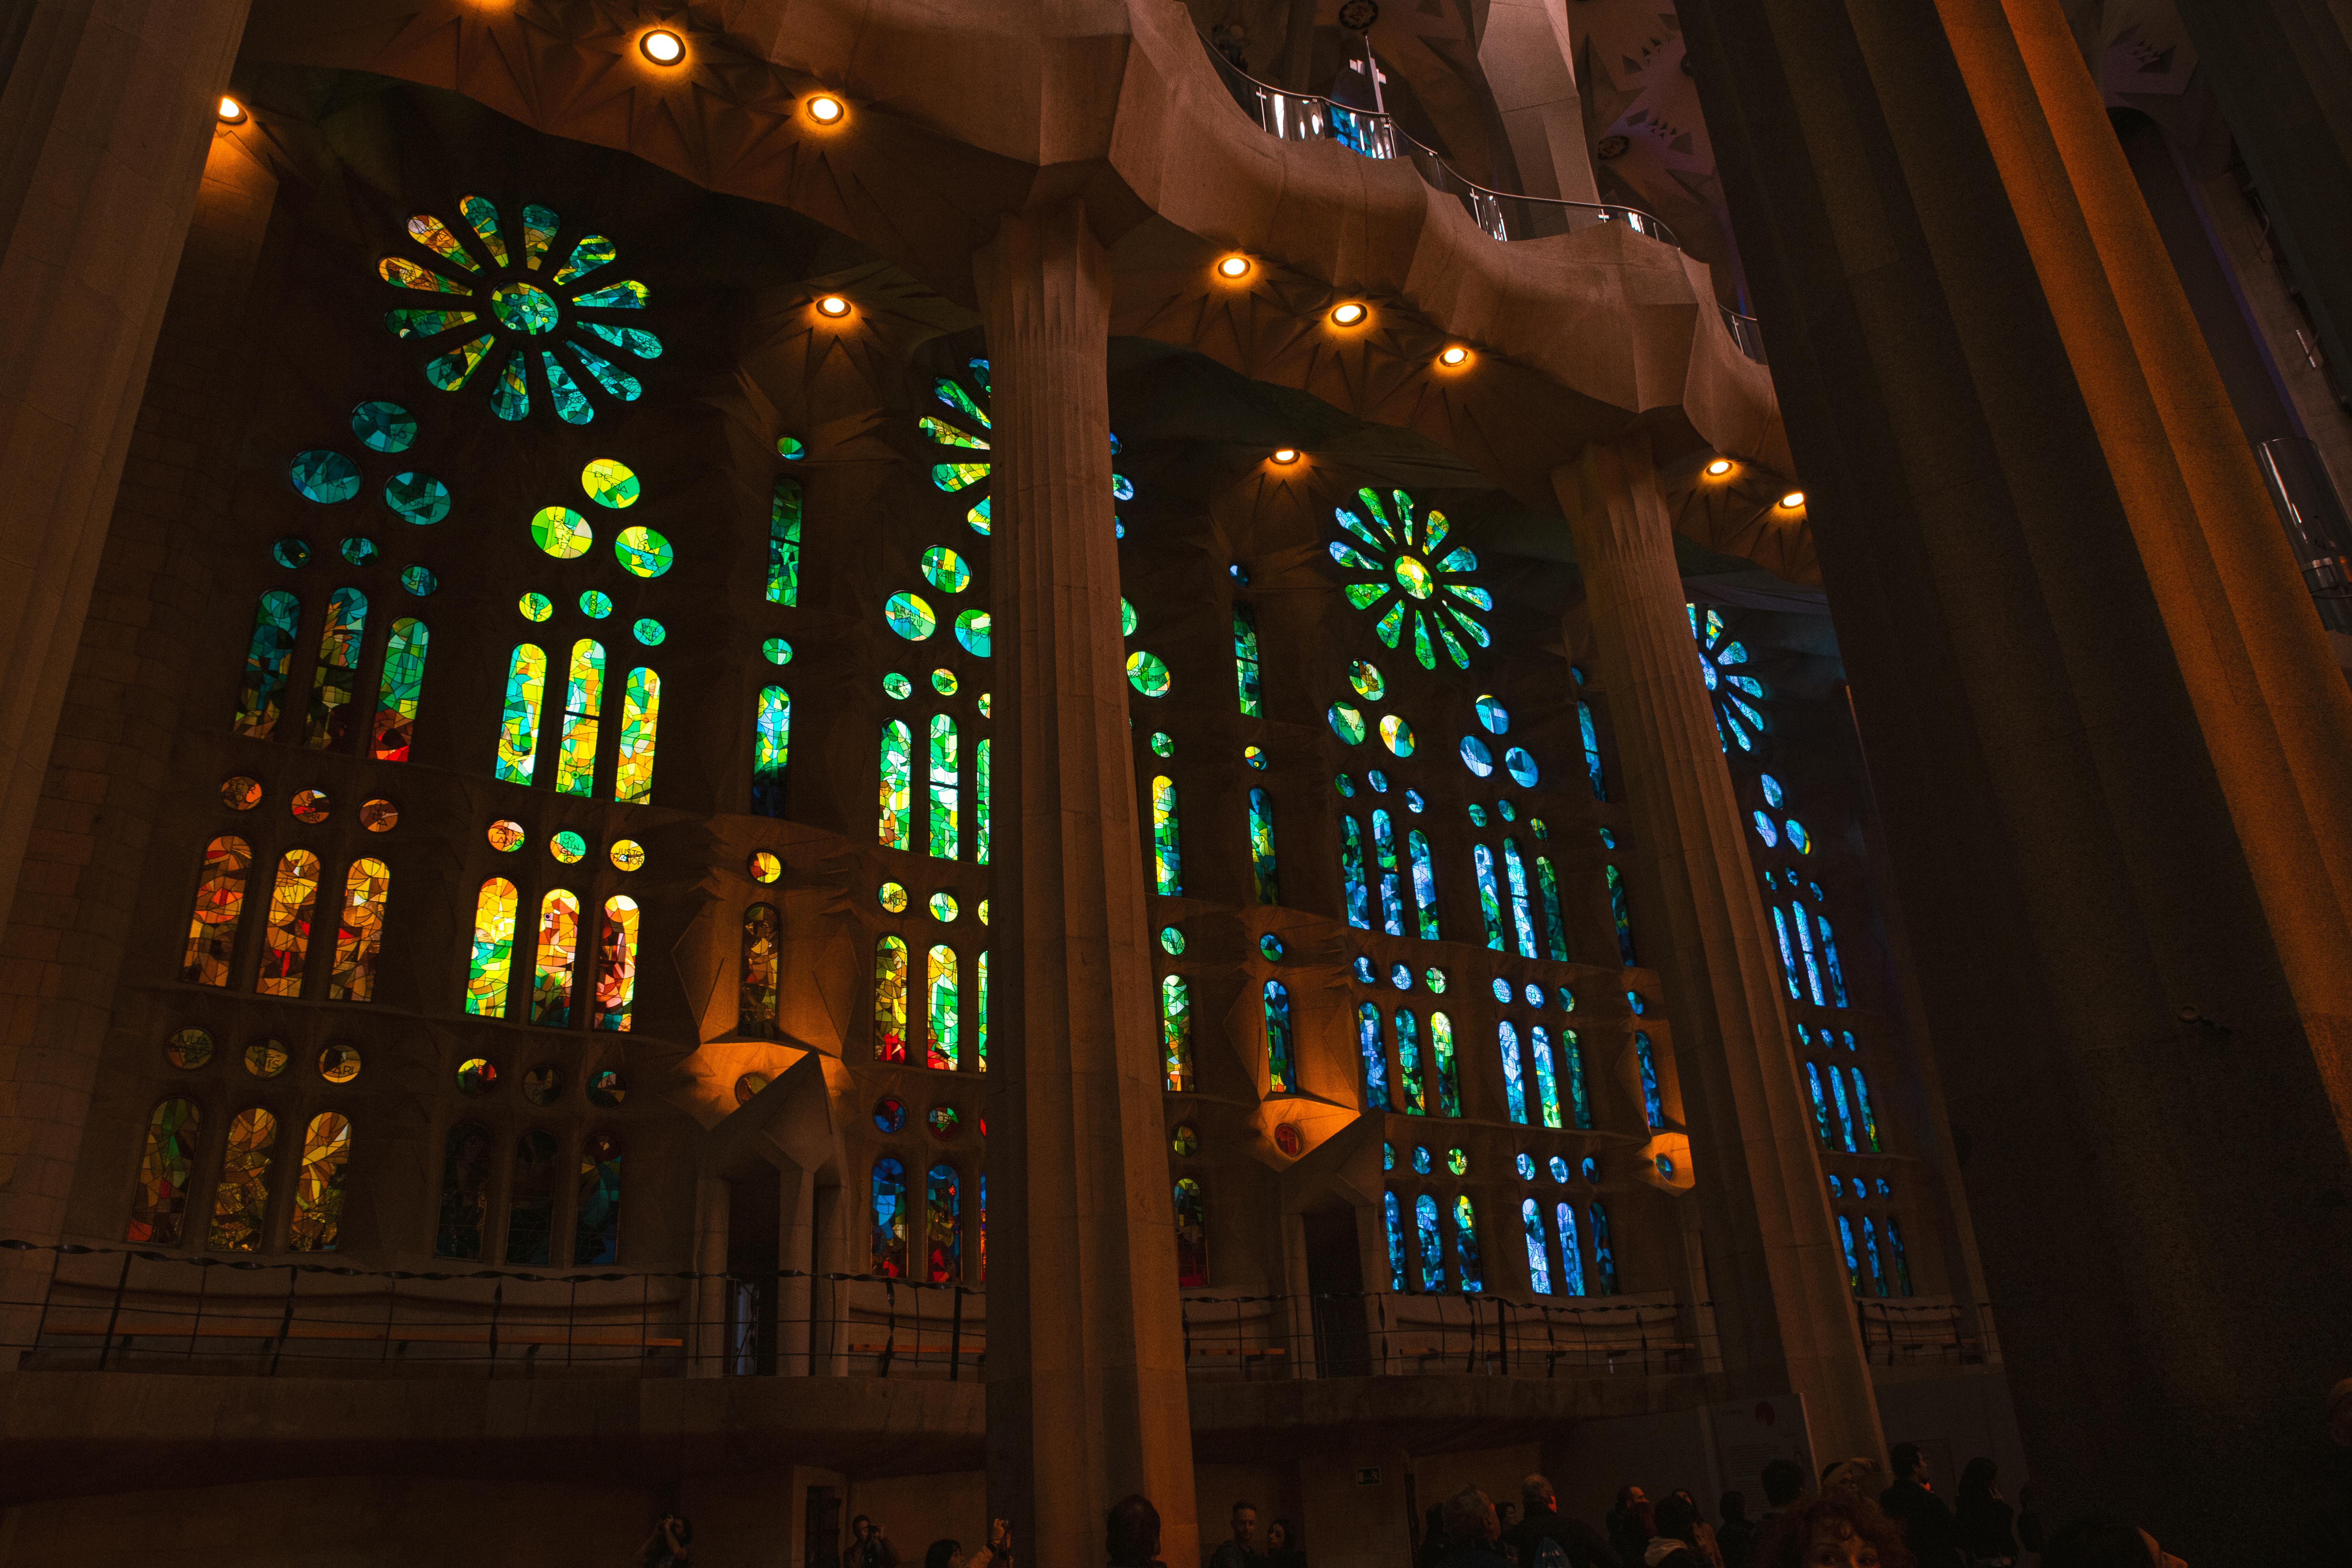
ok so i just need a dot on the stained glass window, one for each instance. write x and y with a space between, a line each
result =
242 1197
1246 658
1385 855
1571 1068
1395 1227
616 964
944 1023
1821 1105
266 658
220 902
1192 1236
1853 1263
632 761
358 933
1465 1243
334 679
1425 883
890 1000
1515 1088
1547 1078
1869 1122
1870 1254
943 1238
1548 887
1788 957
1805 950
763 936
575 765
898 783
1652 1108
945 780
286 939
1281 1067
1845 1117
771 739
1176 1033
518 729
1622 915
1167 851
1604 1257
1262 864
1410 1078
1431 1243
1902 1262
1539 1263
494 922
1449 1079
1351 872
1571 1262
465 1191
1374 1055
1490 902
1411 584
319 1186
403 685
1592 751
784 544
166 1169
1521 916
596 1230
558 940
1830 957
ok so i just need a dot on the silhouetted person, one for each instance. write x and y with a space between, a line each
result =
1834 1530
1473 1528
1928 1527
1784 1486
1579 1544
1674 1539
868 1548
1737 1535
2105 1544
1131 1534
1859 1479
671 1545
1629 1526
1240 1552
1283 1549
1985 1521
998 1554
1702 1537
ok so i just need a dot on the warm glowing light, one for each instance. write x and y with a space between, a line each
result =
825 108
662 46
1287 456
1233 267
1453 355
833 305
1720 468
1793 500
231 111
1349 314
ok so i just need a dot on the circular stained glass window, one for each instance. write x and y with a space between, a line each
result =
896 687
943 907
893 896
1458 1162
626 855
944 1121
507 835
1493 717
1522 767
910 616
1421 1159
1164 744
1477 815
607 1090
1534 995
776 650
1253 756
1289 1140
1401 978
378 815
240 793
324 477
1363 967
1527 1164
1345 785
1476 757
1269 947
595 605
1345 722
1367 680
1147 673
649 632
289 552
267 1059
1378 780
568 847
748 1087
1434 978
1558 1169
790 448
945 570
971 627
525 308
357 549
643 552
311 806
188 1049
1184 1141
1503 991
764 866
1797 839
419 498
418 580
943 681
560 532
384 426
610 482
339 1063
535 607
889 1116
1171 941
542 1084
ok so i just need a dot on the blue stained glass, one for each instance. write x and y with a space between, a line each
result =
1503 991
1466 1245
1522 918
1654 1109
1413 1100
1351 872
1622 915
1805 949
1845 1117
1280 1071
1433 1251
1821 1105
1861 1109
1476 757
1401 978
1572 1067
1788 958
1870 1252
889 1218
1558 1169
1539 1262
1764 828
1853 1264
1533 994
1605 1260
1396 1240
1490 902
1547 1082
1385 855
1895 1248
1828 956
1363 967
1772 796
1425 887
1515 1091
1375 1057
1592 751
1571 1264
1521 765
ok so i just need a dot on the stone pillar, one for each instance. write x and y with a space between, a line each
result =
1783 1315
795 1298
1530 63
1085 1366
2112 757
708 1295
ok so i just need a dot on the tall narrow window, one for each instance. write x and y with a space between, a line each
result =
1261 867
1246 657
1853 1263
1440 1050
1176 1033
980 1231
334 680
1490 902
1395 1218
558 945
898 784
1431 1243
1653 1109
1192 1236
1830 957
1821 1105
616 964
286 940
1902 1263
763 941
1522 916
890 1000
1555 930
1166 852
166 1171
583 700
1539 1260
267 659
1571 1261
1279 1066
1515 1088
1351 873
889 1218
1845 1117
942 1219
1546 1079
1571 1068
1466 1245
403 688
1592 751
1620 911
946 780
220 900
784 544
596 1229
1870 1256
1805 951
1410 1077
1391 894
632 759
493 956
242 1198
979 1023
465 1191
530 1202
945 1032
1862 1113
319 1186
1374 1055
1425 883
1604 1256
980 799
359 932
1788 957
518 728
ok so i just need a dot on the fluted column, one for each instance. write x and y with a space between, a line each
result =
1086 1368
1782 1310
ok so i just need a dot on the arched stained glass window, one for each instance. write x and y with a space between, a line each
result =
1805 950
1788 956
763 941
1392 893
784 544
166 1171
1192 1236
1176 1033
319 1186
465 1191
518 728
1853 1263
1245 668
267 659
1374 1055
890 1000
1490 901
1410 1078
1604 1257
1522 918
1821 1105
334 680
1515 1088
1870 1256
942 1218
220 902
1830 957
633 759
1571 1261
1555 930
945 1031
1653 1109
530 1203
359 932
1167 848
241 1200
1902 1263
1262 866
1622 914
1280 1068
493 955
1546 1078
1592 751
403 688
772 742
945 779
1449 1079
1351 872
1425 883
1431 1243
616 964
286 940
1539 1260
1868 1122
1845 1117
1466 1245
979 752
583 700
596 1229
898 784
1571 1068
559 943
1395 1223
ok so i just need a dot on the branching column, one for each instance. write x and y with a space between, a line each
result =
1085 1367
1782 1309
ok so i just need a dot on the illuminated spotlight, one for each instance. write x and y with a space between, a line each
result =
1233 267
1350 314
231 111
1454 355
1793 500
1720 468
833 305
825 108
1285 455
662 47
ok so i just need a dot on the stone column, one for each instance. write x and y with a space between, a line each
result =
1530 68
795 1299
708 1297
1085 1366
2111 754
1783 1315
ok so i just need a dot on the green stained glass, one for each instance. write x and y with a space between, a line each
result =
1478 596
289 552
595 605
418 580
419 498
945 570
894 896
943 907
583 702
1449 1079
483 219
1413 577
608 481
898 784
791 448
1171 941
539 227
1397 735
1175 1027
776 650
1356 560
1126 619
947 435
635 339
1390 623
568 846
980 753
945 787
1147 674
1245 660
384 426
1262 862
943 681
403 684
518 728
897 687
536 607
784 543
415 323
940 1010
1164 744
1367 680
511 396
357 551
562 532
524 307
910 616
1454 648
643 552
325 477
1365 595
434 235
571 405
954 477
454 369
978 516
1166 853
633 765
1347 723
405 274
592 252
649 632
609 376
971 628
771 733
628 296
1420 646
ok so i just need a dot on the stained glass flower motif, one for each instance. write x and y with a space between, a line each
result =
514 317
1737 719
967 465
1412 586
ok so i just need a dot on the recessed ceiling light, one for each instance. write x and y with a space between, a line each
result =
662 47
231 111
1455 354
833 305
1285 455
1793 500
1349 314
1720 468
825 108
1233 267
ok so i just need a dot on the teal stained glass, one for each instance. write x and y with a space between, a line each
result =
609 376
571 405
1126 618
944 907
897 687
325 477
943 681
636 341
971 628
1281 1070
1262 862
1547 1073
1167 850
1373 1056
357 549
1410 1083
451 370
1367 680
643 552
1493 717
1395 1223
1623 917
268 656
784 543
524 307
1449 1075
1521 765
384 426
1164 744
1147 674
649 632
1433 1247
1385 855
1522 907
910 616
1466 1245
289 552
1653 1111
945 570
1351 873
791 448
1457 1162
626 296
1254 757
1434 978
562 532
592 252
945 787
771 739
1425 887
418 580
1591 737
510 394
776 650
1555 930
535 607
1490 902
1269 947
595 605
1347 723
980 805
1476 757
1171 941
1514 1090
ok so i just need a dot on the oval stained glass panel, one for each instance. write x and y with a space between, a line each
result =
610 482
568 846
910 616
560 532
289 552
1493 717
1476 757
1345 722
1147 673
1522 767
643 552
384 426
1397 735
945 570
649 632
971 627
418 580
1367 680
324 476
418 498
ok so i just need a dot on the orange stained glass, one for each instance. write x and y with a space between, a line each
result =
334 679
359 934
762 943
633 766
890 1000
319 1186
220 900
165 1170
241 1201
286 940
559 943
575 765
616 964
493 957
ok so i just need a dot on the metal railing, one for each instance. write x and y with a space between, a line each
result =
1746 332
1920 1329
2313 514
1389 1333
